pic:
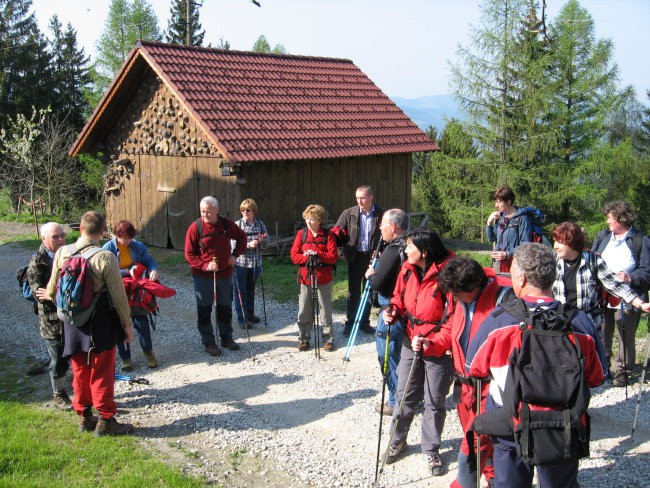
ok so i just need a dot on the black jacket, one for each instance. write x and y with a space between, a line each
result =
388 267
349 220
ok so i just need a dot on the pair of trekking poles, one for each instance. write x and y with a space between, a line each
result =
241 304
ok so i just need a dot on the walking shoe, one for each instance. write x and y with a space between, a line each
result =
62 400
112 427
328 346
213 350
303 346
386 410
126 364
151 359
619 379
87 421
394 451
230 344
438 468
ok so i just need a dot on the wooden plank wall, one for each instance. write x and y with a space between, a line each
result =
282 189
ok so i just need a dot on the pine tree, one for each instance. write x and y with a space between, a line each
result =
126 23
25 74
71 77
177 24
262 46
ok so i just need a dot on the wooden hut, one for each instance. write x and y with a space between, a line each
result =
179 122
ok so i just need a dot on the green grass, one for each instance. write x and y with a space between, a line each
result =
43 448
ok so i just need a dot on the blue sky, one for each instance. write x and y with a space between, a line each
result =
402 45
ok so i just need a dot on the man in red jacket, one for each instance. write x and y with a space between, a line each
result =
208 252
476 292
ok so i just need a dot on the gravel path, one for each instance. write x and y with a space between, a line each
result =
286 419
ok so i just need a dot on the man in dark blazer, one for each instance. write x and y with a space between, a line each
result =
361 223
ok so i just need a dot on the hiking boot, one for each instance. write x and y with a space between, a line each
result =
328 346
394 451
87 421
619 379
230 344
213 350
127 365
62 400
437 467
112 427
303 346
151 359
386 410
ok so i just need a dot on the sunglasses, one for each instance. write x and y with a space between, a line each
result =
245 210
58 236
504 222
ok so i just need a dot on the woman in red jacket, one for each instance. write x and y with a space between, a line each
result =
420 305
314 250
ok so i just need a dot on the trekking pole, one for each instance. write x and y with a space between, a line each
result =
642 381
396 418
266 324
315 308
479 385
360 309
214 293
625 376
241 304
383 397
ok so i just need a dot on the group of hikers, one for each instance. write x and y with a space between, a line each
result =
443 320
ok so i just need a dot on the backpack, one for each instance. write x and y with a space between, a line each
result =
142 301
546 371
536 218
23 284
75 298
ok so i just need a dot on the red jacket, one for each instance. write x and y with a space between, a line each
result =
421 305
484 306
327 252
216 243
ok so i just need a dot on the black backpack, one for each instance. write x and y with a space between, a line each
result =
199 227
546 371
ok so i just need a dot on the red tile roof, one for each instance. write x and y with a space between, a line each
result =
260 107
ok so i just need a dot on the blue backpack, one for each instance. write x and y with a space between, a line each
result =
23 284
536 218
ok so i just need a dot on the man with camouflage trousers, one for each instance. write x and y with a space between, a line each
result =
51 328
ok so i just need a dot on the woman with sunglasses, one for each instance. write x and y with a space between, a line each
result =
249 264
508 227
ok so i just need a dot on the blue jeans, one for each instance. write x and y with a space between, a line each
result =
246 278
143 331
58 364
394 349
204 293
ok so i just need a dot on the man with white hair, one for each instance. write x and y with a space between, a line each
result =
208 252
39 271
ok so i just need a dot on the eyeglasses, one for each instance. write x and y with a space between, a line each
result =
58 236
504 223
246 210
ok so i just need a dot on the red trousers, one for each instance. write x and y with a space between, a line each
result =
93 382
466 413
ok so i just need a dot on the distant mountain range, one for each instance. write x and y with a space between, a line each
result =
429 111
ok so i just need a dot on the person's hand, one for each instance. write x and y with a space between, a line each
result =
499 255
371 271
418 343
232 260
309 252
389 315
213 265
646 307
262 238
130 334
42 295
493 216
623 276
153 275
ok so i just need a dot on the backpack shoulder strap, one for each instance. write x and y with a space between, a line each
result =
637 243
199 227
87 254
505 294
516 308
